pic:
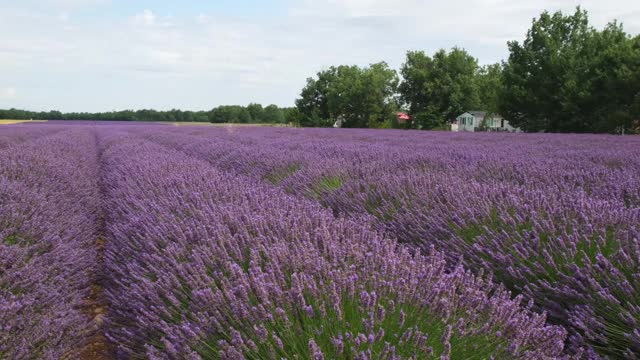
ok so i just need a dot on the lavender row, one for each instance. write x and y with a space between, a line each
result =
204 264
555 218
604 167
11 135
48 202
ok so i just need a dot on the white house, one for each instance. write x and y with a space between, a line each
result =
473 121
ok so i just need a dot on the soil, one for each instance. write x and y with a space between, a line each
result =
97 348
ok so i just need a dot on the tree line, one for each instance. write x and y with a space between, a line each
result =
251 114
566 76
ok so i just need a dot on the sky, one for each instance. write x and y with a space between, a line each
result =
102 55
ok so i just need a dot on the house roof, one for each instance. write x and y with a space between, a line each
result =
480 114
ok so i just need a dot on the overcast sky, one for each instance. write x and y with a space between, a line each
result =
97 55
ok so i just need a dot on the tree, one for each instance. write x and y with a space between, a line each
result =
230 114
244 117
490 87
292 116
200 116
257 112
360 97
568 77
272 114
440 88
313 104
615 97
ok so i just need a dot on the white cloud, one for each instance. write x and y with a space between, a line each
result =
199 60
202 18
8 93
468 23
146 17
68 4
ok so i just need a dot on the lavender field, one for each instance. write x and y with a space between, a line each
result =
161 242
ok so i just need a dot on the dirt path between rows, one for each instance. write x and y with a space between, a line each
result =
98 347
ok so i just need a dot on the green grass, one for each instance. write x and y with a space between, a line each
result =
325 184
278 175
383 207
17 238
11 239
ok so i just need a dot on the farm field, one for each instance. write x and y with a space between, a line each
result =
223 124
10 122
136 241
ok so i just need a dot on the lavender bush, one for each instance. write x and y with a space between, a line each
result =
283 243
48 201
16 134
210 265
555 218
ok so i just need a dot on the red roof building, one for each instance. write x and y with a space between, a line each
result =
402 117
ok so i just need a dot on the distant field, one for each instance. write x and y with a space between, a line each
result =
9 122
222 124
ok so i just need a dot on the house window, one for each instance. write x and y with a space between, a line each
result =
471 121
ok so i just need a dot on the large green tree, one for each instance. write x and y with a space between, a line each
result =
257 112
490 87
230 114
360 97
437 89
313 105
292 116
569 77
273 114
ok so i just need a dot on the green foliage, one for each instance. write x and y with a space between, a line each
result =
256 111
126 115
11 239
490 87
278 175
230 114
325 184
569 77
288 335
292 116
272 114
485 122
253 113
313 105
439 88
360 97
23 240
